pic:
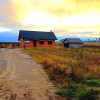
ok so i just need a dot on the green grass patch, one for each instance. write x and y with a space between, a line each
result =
93 83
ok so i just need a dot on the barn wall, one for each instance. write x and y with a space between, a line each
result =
66 45
22 43
45 44
31 44
66 41
75 45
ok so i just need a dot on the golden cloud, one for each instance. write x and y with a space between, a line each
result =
62 16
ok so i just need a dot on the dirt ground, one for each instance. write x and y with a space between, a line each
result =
21 78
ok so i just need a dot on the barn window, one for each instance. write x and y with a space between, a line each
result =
27 41
50 42
41 42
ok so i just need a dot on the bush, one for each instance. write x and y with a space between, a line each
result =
68 93
74 86
88 95
92 82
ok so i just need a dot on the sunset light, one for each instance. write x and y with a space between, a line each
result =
61 16
38 19
49 49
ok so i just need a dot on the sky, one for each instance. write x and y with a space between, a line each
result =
66 18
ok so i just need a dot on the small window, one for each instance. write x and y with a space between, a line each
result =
27 41
50 42
41 42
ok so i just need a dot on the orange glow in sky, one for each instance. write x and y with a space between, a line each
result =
61 16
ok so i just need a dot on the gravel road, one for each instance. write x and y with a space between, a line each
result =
23 79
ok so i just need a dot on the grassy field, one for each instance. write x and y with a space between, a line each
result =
76 72
95 42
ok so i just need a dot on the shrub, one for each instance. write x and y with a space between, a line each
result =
74 86
46 64
88 95
68 93
92 82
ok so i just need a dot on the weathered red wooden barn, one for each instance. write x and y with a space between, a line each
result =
36 39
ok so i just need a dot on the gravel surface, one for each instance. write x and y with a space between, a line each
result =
24 79
3 65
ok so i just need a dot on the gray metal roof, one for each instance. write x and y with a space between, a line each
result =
36 35
62 40
73 40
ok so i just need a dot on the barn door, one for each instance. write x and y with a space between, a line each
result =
66 45
34 43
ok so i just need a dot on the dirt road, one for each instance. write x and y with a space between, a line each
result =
23 79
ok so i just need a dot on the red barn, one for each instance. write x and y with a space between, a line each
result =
36 39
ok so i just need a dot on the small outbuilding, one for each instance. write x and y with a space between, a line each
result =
72 43
36 39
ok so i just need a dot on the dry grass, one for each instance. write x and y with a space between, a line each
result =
85 61
66 66
91 45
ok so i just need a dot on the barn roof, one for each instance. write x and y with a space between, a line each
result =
36 35
62 40
73 40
